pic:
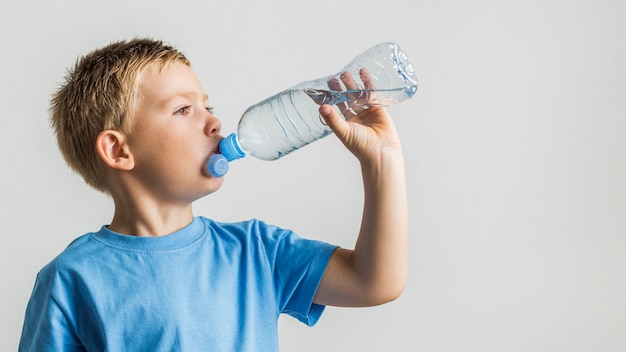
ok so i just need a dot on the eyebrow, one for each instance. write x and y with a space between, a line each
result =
186 95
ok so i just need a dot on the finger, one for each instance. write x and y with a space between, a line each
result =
356 94
332 118
367 79
335 85
348 81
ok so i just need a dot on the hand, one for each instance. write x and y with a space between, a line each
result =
369 130
356 98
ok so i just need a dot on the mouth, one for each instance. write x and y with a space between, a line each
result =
217 149
216 165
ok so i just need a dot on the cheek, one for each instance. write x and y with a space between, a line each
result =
183 158
171 150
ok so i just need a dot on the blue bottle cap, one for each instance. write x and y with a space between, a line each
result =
218 165
230 148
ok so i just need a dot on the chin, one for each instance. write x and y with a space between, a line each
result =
214 184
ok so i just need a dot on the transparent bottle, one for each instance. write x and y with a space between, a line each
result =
290 119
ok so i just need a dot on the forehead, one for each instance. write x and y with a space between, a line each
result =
160 83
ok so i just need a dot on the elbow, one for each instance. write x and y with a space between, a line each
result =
386 287
386 293
395 293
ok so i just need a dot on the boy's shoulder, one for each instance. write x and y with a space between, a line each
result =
250 227
73 254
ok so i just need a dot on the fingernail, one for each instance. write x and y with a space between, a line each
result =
325 110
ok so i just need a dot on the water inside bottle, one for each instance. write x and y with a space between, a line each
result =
290 120
363 98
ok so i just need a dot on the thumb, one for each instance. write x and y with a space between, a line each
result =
332 118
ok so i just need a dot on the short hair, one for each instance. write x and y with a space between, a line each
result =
101 93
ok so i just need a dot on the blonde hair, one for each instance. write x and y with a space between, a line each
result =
101 93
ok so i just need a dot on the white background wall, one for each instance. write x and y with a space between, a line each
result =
515 148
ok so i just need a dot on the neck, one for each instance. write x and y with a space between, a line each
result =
149 219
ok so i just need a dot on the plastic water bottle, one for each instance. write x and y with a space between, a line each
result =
290 119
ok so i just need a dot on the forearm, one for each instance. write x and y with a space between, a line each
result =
380 254
375 271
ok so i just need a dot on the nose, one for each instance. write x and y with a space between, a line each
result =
213 126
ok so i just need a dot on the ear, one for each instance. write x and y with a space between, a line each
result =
114 151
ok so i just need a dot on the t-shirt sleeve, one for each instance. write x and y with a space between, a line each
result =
46 327
298 266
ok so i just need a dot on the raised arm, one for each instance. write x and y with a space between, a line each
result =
374 272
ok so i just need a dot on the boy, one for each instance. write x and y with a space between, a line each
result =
133 120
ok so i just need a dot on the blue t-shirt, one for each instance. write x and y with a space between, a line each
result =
208 287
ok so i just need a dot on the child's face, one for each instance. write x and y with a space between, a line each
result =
174 135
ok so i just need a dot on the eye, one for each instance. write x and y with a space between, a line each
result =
185 110
210 109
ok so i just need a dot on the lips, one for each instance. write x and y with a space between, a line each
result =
217 148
